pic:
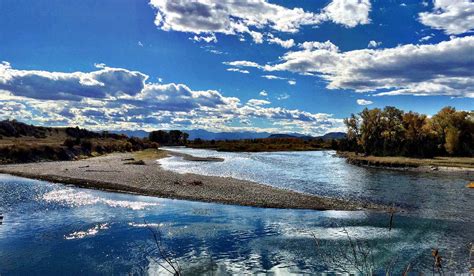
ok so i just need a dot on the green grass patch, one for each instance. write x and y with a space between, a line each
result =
150 154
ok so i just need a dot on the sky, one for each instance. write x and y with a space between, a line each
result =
256 65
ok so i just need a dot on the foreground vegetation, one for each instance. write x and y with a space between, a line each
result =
22 143
393 132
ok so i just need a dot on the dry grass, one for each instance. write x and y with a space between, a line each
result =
48 141
455 162
150 154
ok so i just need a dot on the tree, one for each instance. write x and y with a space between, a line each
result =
418 139
159 136
175 137
452 140
371 131
455 131
392 130
185 137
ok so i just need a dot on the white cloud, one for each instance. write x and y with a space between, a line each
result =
426 38
316 45
115 105
451 16
256 36
256 102
283 96
445 68
208 39
283 43
71 86
349 13
292 82
374 44
211 49
242 63
238 70
273 77
364 102
249 16
140 44
263 93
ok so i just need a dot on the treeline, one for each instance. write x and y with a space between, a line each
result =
393 132
264 144
13 128
169 138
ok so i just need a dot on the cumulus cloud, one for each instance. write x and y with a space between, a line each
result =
263 93
115 101
364 102
173 97
256 36
446 68
249 16
257 102
283 43
292 82
71 86
451 16
349 13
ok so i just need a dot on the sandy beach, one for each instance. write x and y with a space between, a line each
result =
114 172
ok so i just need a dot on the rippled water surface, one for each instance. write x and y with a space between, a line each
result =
56 229
427 194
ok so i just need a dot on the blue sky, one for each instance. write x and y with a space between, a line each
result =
279 66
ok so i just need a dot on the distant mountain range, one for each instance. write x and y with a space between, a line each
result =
327 136
334 136
208 135
132 133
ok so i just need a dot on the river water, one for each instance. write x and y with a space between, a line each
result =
55 229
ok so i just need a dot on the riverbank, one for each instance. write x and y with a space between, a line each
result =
122 172
443 164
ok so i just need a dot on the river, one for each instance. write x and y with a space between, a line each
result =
55 229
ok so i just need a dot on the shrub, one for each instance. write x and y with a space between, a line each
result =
69 143
86 146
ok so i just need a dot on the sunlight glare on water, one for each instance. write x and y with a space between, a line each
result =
431 195
48 226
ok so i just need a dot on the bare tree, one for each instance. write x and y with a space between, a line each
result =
171 264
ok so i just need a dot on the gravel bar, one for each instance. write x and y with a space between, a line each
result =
112 173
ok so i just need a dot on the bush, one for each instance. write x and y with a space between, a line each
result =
86 146
69 143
